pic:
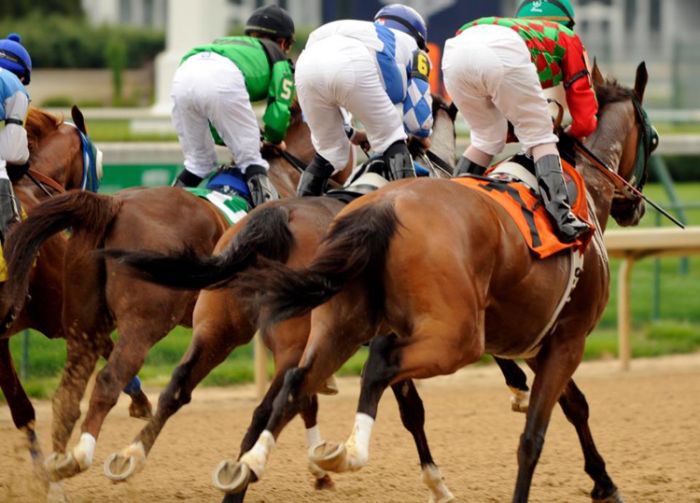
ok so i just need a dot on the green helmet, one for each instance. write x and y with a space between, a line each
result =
560 11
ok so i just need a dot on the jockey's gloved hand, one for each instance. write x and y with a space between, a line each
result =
260 186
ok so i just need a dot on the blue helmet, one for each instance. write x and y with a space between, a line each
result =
405 19
15 58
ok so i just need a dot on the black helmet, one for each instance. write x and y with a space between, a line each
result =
272 20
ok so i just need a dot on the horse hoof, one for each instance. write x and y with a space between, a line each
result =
119 466
231 476
520 400
141 408
519 407
615 497
329 387
329 456
61 466
324 483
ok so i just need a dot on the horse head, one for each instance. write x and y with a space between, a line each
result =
626 139
60 150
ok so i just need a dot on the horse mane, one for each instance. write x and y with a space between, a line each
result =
295 110
39 124
611 91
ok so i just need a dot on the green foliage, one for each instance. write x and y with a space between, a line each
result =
21 8
115 54
55 41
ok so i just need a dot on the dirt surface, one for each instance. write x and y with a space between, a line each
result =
646 424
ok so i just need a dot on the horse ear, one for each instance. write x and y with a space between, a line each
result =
640 81
596 74
78 118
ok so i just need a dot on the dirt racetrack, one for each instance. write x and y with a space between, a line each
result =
646 423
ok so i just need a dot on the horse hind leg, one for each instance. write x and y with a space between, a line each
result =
140 407
83 353
207 350
575 407
516 380
22 410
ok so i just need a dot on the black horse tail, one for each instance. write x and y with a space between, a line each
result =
266 233
354 248
78 210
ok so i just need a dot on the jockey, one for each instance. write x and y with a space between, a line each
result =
15 73
496 69
215 84
378 72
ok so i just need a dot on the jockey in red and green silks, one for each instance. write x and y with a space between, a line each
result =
495 70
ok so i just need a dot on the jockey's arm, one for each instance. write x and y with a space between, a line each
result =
14 147
280 97
580 96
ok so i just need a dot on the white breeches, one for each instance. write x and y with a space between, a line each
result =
491 78
341 72
207 88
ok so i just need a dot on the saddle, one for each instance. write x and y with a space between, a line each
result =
228 192
513 185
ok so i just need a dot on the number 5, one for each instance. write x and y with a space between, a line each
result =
286 89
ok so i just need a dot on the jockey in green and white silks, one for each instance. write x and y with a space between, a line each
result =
15 73
215 84
379 73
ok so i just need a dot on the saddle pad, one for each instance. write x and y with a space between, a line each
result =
528 212
232 206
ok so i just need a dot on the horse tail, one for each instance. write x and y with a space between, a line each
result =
266 233
354 248
78 210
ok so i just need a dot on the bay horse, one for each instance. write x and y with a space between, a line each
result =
57 162
289 231
455 279
99 297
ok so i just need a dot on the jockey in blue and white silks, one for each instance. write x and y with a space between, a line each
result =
15 73
378 71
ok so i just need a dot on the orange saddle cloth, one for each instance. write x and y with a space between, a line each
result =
527 210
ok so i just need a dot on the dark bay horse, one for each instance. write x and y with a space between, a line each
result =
455 281
57 161
99 297
288 231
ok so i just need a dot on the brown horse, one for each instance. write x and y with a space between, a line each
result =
99 297
455 280
288 231
57 163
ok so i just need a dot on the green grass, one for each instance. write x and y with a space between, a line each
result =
677 331
120 130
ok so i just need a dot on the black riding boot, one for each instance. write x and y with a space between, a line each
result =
315 177
556 200
399 162
465 166
9 210
260 186
187 179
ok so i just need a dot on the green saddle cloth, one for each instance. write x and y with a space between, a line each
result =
232 206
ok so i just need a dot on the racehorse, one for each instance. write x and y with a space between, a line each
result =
57 163
288 231
99 297
454 282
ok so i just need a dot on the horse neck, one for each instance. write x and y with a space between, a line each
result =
609 144
442 141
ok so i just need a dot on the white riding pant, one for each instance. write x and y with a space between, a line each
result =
14 146
342 72
208 87
490 76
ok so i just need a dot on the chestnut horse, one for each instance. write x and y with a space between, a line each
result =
99 297
455 279
57 162
288 231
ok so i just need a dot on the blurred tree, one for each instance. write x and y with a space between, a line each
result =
115 55
21 8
